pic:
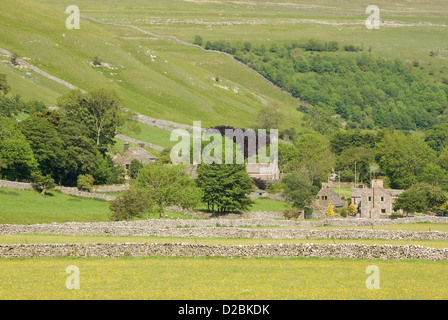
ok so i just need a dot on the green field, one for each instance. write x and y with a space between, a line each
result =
29 207
219 278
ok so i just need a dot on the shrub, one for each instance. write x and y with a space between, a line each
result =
260 183
96 61
85 182
291 214
343 212
130 204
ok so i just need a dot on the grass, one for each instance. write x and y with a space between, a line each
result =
177 85
266 204
29 207
53 238
347 192
220 278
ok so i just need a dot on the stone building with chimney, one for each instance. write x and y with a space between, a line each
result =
140 154
374 202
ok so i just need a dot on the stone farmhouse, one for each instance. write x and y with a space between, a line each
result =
140 153
374 202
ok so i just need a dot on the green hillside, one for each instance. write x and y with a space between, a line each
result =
156 77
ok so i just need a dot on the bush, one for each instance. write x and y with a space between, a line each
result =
85 182
291 214
343 212
96 61
130 204
260 183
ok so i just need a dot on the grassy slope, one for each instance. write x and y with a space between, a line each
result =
218 278
265 23
178 85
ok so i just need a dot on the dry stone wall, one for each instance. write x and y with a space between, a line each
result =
16 185
111 250
141 229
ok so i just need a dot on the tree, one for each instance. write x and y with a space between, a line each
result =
419 198
298 189
433 174
403 158
225 186
352 209
321 120
330 211
104 105
46 144
85 182
18 161
98 112
198 40
14 58
167 186
134 168
4 87
313 156
359 155
270 117
44 183
132 203
97 61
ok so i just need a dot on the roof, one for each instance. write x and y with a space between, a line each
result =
334 197
140 154
357 192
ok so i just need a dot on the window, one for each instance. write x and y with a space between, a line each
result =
370 198
383 210
382 198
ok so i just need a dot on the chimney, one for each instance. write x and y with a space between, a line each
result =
377 183
126 146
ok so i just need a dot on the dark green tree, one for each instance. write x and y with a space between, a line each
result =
299 190
225 186
16 155
419 198
134 168
46 144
